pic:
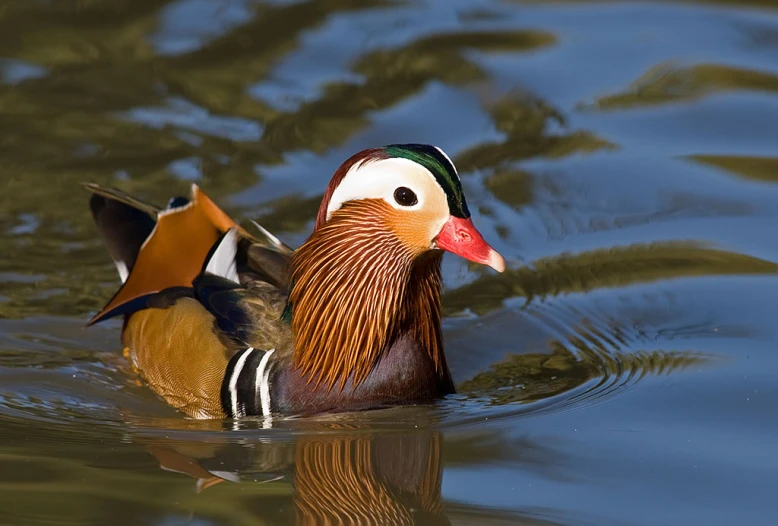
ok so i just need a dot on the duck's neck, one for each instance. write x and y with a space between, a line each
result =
356 290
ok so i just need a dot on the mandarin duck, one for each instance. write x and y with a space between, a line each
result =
223 323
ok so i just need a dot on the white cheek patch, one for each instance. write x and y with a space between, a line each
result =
379 179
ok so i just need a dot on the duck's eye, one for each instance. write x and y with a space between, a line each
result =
405 196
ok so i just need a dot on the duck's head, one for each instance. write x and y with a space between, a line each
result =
369 275
415 191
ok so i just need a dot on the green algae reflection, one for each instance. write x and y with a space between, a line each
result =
667 84
762 169
613 267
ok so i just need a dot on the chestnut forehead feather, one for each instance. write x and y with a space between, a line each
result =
430 157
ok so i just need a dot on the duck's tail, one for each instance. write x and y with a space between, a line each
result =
124 223
154 249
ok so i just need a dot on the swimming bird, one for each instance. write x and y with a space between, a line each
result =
221 322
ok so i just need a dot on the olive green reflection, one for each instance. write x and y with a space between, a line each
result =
614 267
763 169
536 376
667 84
513 187
767 4
525 122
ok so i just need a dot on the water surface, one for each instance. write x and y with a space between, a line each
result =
621 155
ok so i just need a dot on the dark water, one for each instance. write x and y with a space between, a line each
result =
622 156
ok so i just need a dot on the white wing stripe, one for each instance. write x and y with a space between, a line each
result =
233 385
263 382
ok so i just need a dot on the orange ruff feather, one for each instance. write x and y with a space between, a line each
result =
356 288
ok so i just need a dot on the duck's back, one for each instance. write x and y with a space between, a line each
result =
181 332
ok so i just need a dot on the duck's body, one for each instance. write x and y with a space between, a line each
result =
222 324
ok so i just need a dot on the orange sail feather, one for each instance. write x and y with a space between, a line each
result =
174 252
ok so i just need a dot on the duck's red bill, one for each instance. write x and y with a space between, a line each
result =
459 236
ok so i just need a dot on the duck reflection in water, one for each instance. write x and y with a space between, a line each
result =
346 477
